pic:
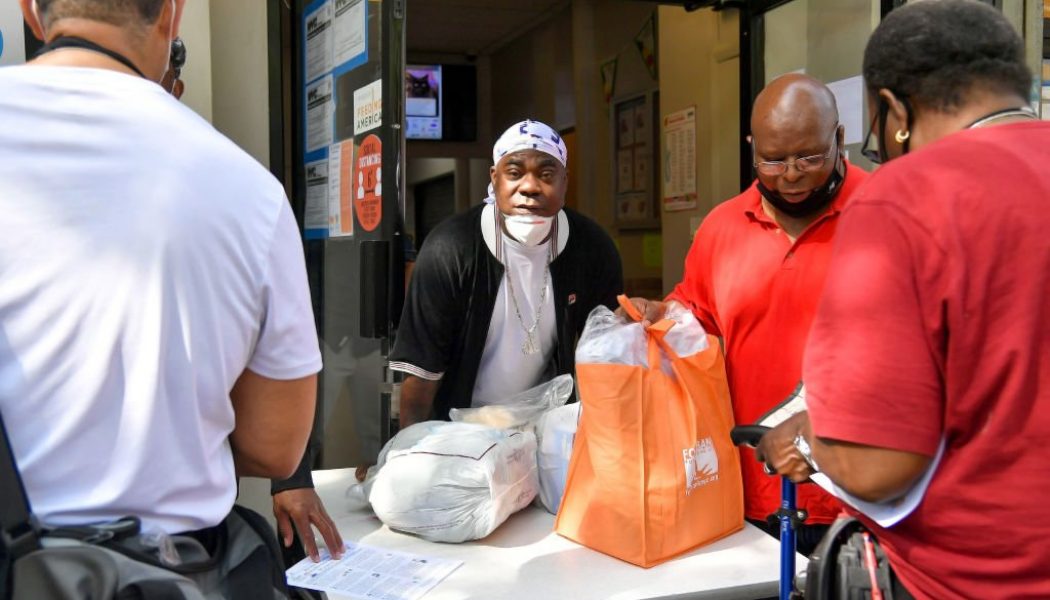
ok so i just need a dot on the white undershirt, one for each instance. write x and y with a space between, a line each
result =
505 370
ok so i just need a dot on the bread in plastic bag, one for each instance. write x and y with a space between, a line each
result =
453 482
521 410
609 339
555 434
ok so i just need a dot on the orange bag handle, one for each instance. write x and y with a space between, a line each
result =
629 307
656 330
656 333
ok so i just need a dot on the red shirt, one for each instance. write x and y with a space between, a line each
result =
935 322
745 281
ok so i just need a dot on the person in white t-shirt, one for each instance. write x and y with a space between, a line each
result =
156 334
500 293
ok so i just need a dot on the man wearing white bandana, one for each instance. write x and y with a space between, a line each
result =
501 292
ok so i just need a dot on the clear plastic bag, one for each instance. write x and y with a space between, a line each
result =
523 410
608 339
555 435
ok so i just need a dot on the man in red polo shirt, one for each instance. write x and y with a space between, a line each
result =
756 270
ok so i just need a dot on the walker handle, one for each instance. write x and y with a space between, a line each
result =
747 435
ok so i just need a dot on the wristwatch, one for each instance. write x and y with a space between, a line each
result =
803 448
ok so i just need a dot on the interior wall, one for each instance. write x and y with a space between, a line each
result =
195 31
529 76
239 74
699 58
604 29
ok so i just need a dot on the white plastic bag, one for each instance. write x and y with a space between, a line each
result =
359 492
555 434
522 410
608 339
452 482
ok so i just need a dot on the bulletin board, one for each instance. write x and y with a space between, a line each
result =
635 171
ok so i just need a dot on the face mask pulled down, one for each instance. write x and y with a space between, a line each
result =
528 230
817 200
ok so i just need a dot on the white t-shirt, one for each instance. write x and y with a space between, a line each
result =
145 262
505 370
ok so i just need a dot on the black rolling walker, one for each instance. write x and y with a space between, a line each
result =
847 564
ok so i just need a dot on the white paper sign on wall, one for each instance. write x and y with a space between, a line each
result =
368 107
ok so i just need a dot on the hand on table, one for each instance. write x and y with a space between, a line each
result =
296 510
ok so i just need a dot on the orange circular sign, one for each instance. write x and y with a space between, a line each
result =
368 183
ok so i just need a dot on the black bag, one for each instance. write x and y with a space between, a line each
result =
846 564
237 559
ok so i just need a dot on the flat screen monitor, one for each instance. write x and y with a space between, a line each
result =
423 102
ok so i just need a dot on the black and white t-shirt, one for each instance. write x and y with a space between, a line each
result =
458 291
505 368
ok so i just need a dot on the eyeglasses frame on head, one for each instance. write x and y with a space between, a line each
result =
877 155
868 151
802 164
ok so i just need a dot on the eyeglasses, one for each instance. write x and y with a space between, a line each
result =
803 164
870 149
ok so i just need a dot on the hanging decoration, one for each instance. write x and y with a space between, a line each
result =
645 41
608 70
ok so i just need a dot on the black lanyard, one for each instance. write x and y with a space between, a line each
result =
76 42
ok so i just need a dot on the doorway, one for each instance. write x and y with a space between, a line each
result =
435 201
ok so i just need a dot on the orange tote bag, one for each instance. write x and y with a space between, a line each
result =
653 472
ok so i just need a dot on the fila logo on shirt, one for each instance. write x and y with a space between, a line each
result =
701 464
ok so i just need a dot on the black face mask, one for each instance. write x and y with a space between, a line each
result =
817 200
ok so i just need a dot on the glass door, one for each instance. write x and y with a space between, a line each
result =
347 168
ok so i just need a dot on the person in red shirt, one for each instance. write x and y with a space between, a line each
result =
757 266
934 328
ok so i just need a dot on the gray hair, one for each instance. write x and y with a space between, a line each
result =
114 12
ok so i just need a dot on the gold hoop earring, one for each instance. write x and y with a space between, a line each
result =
901 136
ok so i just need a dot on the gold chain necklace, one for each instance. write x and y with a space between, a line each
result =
531 345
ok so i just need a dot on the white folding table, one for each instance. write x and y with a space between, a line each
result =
525 559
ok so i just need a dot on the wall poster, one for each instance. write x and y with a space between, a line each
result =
634 183
679 168
335 38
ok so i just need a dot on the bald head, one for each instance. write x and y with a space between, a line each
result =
797 145
794 105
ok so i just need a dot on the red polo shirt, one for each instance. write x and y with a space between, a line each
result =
935 324
745 281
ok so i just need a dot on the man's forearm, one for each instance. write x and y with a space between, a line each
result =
867 472
417 400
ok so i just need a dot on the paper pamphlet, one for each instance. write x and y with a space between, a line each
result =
885 514
372 573
794 404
